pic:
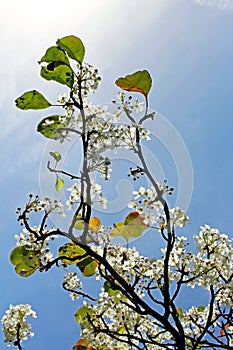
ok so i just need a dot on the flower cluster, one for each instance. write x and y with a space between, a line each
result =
146 202
195 318
178 256
112 314
129 105
62 99
214 262
105 130
122 322
73 284
38 237
15 325
128 263
30 240
47 205
178 218
211 266
107 134
89 77
95 191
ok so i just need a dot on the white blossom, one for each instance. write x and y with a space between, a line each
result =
28 239
62 99
95 193
15 325
72 283
146 202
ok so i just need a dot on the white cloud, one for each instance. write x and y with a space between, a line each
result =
28 29
107 29
221 4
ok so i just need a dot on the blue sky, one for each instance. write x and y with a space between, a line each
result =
186 45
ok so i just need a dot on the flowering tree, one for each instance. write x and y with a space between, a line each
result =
136 306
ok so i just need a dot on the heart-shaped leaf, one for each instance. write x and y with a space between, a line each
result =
134 218
72 252
73 46
55 54
87 266
60 73
26 260
137 82
82 314
133 226
32 100
49 125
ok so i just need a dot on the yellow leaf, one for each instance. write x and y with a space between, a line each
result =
80 342
180 312
223 330
94 224
59 184
82 345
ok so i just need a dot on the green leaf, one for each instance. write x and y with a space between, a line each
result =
79 224
111 288
73 254
133 226
127 231
32 100
49 125
56 155
82 313
180 312
137 82
26 260
73 46
72 251
201 308
60 73
134 218
88 266
55 54
59 184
